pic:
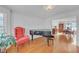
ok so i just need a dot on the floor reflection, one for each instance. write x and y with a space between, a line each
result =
63 43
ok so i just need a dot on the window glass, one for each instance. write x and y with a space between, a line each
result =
1 23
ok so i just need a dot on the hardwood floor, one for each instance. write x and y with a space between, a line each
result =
39 45
36 46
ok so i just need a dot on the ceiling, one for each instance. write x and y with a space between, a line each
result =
39 10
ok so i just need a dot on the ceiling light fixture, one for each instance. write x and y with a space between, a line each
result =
49 7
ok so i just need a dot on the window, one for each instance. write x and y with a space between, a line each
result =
1 23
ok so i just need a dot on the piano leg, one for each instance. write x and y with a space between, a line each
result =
48 41
32 37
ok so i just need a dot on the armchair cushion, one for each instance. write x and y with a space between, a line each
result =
22 40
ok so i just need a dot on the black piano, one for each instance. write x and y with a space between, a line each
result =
44 33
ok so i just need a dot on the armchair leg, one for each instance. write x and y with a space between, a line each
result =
17 49
28 43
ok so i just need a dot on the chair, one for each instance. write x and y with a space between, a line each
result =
52 36
20 36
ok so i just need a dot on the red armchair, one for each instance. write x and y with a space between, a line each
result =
20 36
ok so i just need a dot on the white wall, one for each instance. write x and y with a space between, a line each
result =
28 22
